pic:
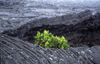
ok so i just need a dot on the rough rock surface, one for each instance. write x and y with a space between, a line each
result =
15 51
15 15
65 20
80 29
24 19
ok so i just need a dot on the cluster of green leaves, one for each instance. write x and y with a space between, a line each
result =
27 0
47 39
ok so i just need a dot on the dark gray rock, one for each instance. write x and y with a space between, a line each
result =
78 30
19 12
67 20
15 51
11 2
23 22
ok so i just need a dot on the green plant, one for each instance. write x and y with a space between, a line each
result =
27 0
47 39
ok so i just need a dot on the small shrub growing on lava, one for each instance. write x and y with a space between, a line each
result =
47 39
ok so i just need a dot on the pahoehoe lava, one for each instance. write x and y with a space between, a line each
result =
16 51
18 25
79 30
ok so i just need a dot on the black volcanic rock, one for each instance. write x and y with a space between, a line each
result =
11 2
67 20
15 51
79 30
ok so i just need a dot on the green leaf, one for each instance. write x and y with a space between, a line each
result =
46 44
47 39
